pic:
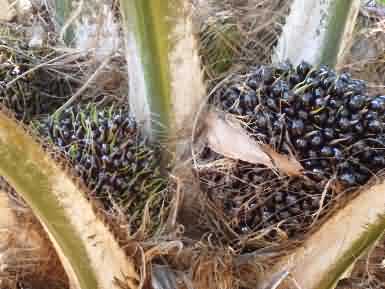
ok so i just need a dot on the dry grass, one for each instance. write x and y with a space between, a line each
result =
237 34
366 57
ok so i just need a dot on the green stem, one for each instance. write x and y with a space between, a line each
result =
147 18
358 248
164 69
340 20
63 9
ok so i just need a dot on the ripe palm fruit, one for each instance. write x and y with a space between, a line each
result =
254 198
318 110
39 92
112 158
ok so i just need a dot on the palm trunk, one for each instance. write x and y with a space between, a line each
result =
163 64
317 31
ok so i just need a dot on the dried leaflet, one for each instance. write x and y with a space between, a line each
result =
226 137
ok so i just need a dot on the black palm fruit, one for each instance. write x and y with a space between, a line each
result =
335 129
118 165
253 197
326 113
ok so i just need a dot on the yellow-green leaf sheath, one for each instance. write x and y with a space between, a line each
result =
336 246
164 69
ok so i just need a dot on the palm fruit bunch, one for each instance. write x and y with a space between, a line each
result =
325 119
118 165
41 91
252 198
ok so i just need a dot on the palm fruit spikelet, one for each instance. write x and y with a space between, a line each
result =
40 91
324 119
254 198
116 163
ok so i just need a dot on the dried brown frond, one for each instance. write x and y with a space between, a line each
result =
214 271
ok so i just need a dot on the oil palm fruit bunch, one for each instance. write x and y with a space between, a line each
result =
117 164
254 198
324 118
39 92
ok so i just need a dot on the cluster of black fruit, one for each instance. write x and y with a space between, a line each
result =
253 198
325 119
40 91
107 151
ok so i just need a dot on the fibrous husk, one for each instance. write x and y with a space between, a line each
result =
235 34
10 10
26 254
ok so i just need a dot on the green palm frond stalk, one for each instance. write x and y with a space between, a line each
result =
87 249
163 64
220 38
331 251
317 31
63 10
